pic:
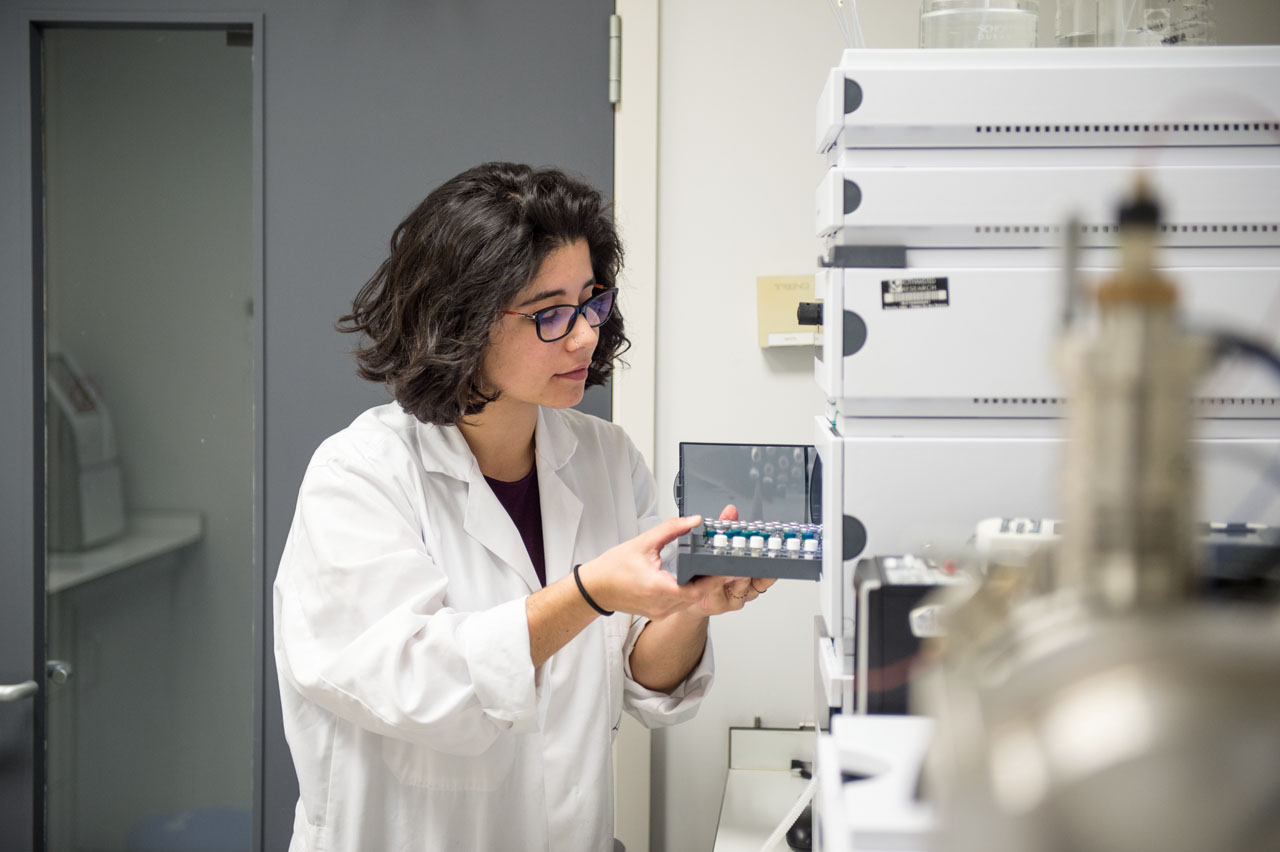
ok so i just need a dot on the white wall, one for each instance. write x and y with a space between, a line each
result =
738 82
736 173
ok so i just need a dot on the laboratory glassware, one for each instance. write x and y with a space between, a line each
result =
979 23
1155 22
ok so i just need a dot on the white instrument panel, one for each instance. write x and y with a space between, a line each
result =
1029 206
1056 97
926 494
971 342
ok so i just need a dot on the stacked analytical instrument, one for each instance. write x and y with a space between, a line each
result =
956 180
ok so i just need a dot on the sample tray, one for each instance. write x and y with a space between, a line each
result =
694 560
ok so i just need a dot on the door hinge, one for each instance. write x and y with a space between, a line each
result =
615 59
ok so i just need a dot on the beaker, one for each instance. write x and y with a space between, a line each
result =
1155 22
1077 23
979 23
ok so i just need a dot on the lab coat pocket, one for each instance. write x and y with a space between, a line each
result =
420 766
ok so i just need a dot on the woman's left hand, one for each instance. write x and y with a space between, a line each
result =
726 594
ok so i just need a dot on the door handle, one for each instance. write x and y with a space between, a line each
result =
18 691
58 670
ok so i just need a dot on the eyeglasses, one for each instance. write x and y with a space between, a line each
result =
557 321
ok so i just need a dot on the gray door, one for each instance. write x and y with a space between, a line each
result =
365 107
145 362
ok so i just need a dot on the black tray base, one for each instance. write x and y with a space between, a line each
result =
694 562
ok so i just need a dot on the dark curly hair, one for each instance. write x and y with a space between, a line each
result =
456 262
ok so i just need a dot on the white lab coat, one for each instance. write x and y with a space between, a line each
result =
414 714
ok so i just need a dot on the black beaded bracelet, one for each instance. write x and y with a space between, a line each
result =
586 597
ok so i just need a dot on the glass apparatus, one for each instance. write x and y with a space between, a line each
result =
1153 22
979 23
1077 23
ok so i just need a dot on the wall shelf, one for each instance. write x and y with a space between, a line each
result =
148 535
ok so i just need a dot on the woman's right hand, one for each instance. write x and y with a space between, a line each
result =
629 577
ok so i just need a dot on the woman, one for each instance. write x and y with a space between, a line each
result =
472 591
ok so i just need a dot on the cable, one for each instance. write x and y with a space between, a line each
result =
844 29
801 803
1226 343
855 25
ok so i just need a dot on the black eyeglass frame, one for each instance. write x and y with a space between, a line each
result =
578 311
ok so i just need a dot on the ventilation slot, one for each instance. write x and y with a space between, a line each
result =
1192 127
1017 229
1237 401
1204 402
1018 400
1040 229
1222 228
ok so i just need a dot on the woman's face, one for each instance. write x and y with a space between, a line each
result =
524 368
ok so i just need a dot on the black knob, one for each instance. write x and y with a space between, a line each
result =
809 313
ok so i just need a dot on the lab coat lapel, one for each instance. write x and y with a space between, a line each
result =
488 523
443 449
561 508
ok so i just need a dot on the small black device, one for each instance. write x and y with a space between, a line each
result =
1242 562
887 589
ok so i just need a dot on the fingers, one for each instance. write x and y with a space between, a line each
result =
729 513
716 595
707 593
736 597
668 531
738 588
736 592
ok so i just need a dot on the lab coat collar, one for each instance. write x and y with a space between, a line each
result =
553 441
443 449
486 520
449 453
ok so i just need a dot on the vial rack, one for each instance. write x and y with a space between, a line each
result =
790 551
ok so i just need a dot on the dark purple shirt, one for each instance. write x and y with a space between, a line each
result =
522 503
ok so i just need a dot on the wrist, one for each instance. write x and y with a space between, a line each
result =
592 589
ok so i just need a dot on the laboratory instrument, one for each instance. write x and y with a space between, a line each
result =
1090 700
892 619
87 507
954 182
944 403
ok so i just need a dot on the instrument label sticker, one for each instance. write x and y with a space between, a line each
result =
909 293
